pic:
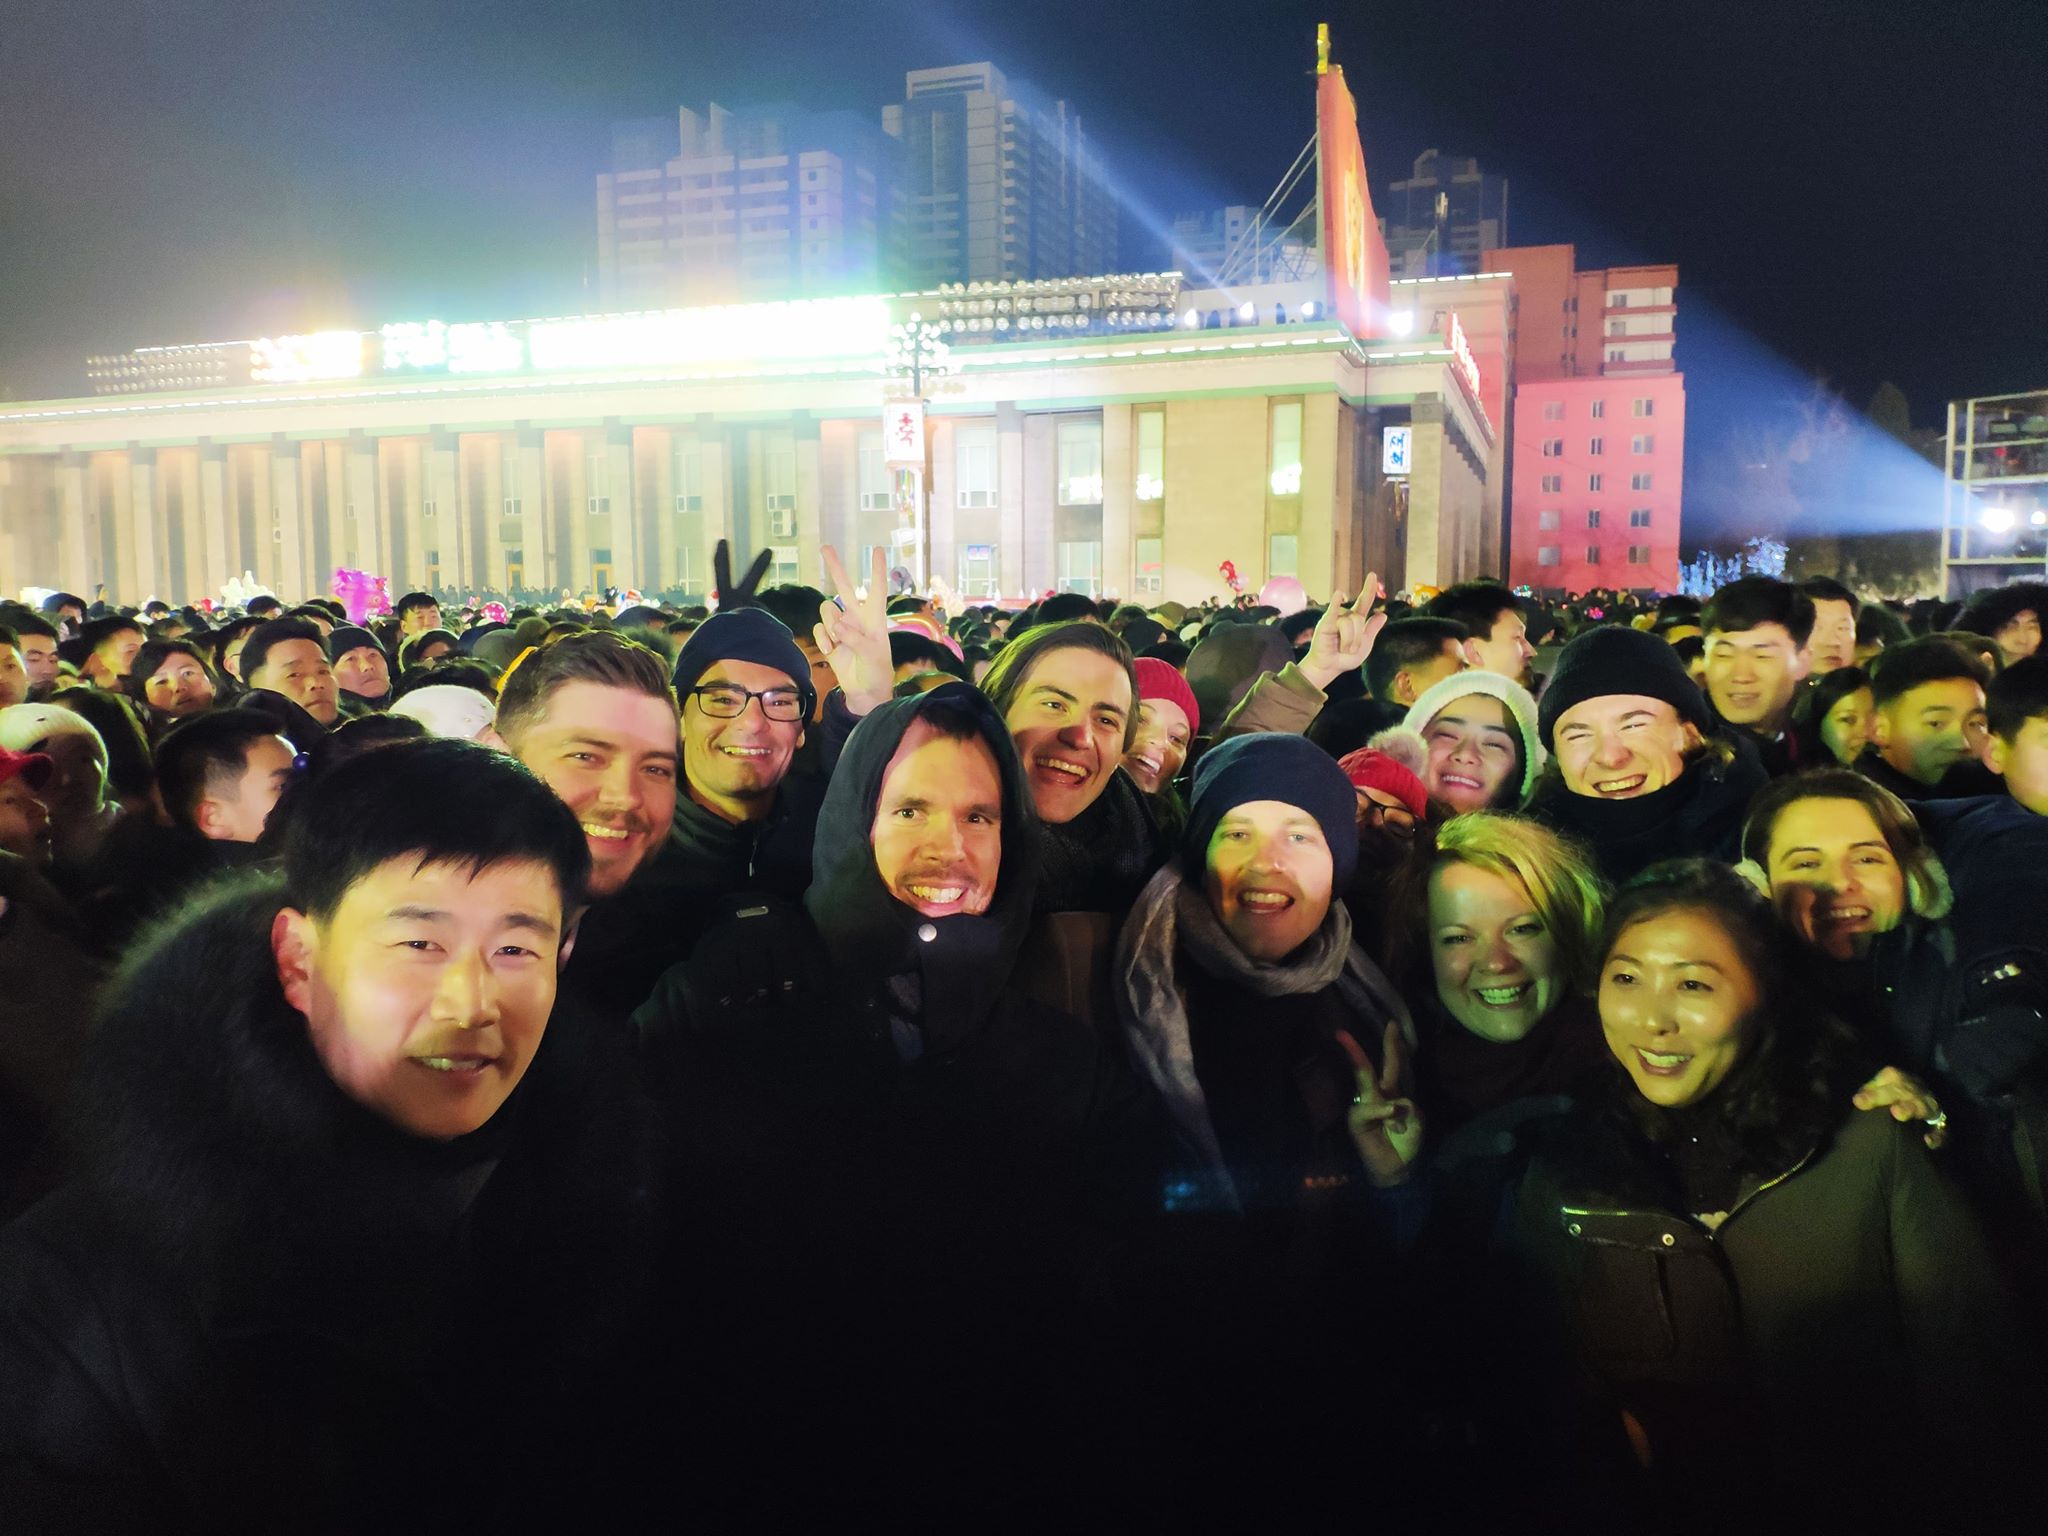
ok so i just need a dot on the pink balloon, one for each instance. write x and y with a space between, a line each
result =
1285 593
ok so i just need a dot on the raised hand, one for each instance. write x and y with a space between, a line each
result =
1386 1129
737 594
853 633
1344 635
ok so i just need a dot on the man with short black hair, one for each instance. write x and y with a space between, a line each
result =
14 679
312 1211
1929 722
417 613
1756 630
36 638
1499 630
219 775
1835 610
289 657
109 645
2011 615
66 610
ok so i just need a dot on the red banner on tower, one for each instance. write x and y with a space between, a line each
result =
1354 251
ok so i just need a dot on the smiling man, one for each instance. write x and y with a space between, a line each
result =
1641 770
1757 631
327 1059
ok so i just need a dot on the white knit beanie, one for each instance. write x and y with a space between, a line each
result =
1520 707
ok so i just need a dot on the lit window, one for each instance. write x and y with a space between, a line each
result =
1547 521
1080 463
1284 468
1549 554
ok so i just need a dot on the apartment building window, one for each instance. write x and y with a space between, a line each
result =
1549 554
1547 522
1596 446
1617 355
1617 327
1284 470
1151 466
1150 576
1639 518
1553 484
600 506
978 570
1593 518
1646 443
1639 554
1553 448
1596 482
1592 554
1646 407
1599 409
1553 410
784 571
1080 567
689 479
877 494
1080 463
1640 482
974 466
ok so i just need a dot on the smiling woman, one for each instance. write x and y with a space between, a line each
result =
1749 1269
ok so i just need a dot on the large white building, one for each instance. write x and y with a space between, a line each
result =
1118 436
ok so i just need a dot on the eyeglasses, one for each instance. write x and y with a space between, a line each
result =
728 701
1397 819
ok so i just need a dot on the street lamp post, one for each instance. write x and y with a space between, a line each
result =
918 354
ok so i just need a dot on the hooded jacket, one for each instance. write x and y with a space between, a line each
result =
852 1033
260 1306
891 1169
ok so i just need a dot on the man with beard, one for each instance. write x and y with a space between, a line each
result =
593 716
881 1144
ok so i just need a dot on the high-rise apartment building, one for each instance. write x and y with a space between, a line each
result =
765 203
1232 241
1597 458
1426 240
996 187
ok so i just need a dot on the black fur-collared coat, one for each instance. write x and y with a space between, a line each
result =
261 1307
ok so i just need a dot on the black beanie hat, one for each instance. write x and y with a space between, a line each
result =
1615 659
744 634
1272 765
350 637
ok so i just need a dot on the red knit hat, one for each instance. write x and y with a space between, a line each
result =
1368 768
34 767
1158 680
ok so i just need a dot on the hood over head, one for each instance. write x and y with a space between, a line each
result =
961 962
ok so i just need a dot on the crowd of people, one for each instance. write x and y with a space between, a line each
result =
1465 1057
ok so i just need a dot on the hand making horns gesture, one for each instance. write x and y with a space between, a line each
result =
1344 634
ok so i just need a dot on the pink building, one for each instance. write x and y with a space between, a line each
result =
1597 458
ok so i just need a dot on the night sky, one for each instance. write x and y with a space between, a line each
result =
1857 192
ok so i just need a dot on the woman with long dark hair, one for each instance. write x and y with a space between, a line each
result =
1777 1305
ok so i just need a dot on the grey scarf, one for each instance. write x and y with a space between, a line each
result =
1173 920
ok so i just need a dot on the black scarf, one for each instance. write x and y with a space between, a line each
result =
1100 861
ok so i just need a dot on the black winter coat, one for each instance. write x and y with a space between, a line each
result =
1701 813
1842 1329
260 1307
896 1179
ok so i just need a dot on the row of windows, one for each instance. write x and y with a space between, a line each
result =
1549 521
1553 447
1553 410
1641 480
1550 554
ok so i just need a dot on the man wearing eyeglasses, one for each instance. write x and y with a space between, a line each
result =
746 692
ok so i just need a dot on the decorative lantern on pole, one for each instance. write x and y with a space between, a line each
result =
918 354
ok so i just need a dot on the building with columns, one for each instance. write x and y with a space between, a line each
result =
1117 436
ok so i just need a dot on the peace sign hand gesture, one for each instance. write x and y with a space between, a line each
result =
737 594
1386 1130
853 634
1344 634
